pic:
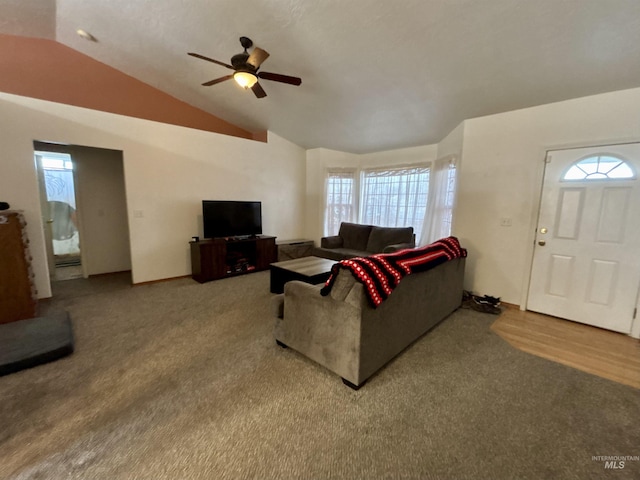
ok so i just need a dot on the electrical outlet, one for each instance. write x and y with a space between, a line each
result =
505 222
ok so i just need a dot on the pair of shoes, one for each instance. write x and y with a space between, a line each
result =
485 304
487 300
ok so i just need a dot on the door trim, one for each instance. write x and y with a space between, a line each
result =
543 152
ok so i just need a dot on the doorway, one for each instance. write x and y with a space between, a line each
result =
93 237
586 264
59 209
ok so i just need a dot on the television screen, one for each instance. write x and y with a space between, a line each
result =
225 218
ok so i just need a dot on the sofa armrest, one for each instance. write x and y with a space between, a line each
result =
398 246
322 328
331 242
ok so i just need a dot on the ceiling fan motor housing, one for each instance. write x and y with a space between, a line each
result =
239 61
246 42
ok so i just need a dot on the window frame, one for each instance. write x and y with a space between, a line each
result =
353 172
597 156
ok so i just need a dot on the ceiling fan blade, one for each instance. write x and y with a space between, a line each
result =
217 80
257 57
258 90
202 57
276 77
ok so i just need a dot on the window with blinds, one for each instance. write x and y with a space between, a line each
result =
395 197
340 205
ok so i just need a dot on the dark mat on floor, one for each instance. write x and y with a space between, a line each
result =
31 342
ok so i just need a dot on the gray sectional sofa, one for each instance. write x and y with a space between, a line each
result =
345 334
355 240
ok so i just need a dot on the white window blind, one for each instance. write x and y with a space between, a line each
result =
395 197
340 206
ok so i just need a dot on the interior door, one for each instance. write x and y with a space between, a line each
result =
586 264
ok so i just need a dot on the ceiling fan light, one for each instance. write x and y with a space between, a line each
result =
245 79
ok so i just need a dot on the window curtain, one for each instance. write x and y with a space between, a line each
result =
442 192
58 177
339 200
395 197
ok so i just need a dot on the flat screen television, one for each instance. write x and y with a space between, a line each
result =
226 218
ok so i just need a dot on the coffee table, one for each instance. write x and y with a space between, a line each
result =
311 270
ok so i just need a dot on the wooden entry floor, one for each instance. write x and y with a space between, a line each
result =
593 350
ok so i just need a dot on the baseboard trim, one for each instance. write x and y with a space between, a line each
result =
511 306
150 282
107 273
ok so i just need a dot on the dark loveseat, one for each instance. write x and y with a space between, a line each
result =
355 240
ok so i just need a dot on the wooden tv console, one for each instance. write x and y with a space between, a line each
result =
216 258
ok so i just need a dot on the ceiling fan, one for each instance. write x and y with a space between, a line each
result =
246 68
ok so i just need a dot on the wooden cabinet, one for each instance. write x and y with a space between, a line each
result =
292 249
216 258
18 298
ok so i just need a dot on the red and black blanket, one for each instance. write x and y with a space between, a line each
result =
382 272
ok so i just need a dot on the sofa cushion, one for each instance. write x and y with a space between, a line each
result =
355 236
380 237
381 274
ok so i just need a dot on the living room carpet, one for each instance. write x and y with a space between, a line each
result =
180 380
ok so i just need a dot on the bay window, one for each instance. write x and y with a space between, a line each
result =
421 196
395 197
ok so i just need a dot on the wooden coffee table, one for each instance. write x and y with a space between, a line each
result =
311 270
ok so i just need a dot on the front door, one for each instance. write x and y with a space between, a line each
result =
586 264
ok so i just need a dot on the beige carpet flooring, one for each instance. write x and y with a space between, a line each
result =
178 380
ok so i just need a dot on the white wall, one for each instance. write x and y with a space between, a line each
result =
501 176
318 160
453 143
402 156
321 159
168 171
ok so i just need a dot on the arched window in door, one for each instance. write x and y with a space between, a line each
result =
599 167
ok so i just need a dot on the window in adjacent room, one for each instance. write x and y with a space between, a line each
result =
395 197
340 204
58 186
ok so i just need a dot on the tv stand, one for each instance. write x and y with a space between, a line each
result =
216 258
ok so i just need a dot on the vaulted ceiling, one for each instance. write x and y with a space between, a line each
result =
376 74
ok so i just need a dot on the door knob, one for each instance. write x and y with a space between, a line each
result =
542 243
